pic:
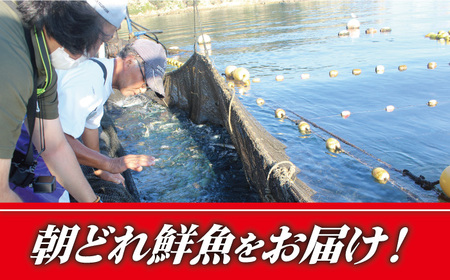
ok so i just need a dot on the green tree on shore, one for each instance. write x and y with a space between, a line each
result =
160 6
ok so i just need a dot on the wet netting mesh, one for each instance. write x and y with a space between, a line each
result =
110 146
197 88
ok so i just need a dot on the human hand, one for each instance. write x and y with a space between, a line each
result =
107 176
133 162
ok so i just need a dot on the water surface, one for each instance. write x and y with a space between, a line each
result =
293 38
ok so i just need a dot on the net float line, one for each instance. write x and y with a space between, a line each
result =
335 148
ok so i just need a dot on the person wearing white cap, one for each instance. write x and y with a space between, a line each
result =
46 35
84 90
114 12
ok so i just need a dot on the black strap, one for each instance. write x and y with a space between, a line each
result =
31 106
105 73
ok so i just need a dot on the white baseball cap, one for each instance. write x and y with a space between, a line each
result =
114 11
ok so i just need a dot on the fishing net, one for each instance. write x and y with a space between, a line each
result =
109 191
197 88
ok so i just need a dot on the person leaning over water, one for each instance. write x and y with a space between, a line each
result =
67 30
84 90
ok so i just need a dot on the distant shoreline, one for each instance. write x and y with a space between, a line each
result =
139 8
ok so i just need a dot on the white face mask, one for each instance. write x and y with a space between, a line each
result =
62 60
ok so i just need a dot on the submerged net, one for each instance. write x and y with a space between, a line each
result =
109 191
197 88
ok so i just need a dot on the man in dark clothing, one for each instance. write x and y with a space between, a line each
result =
67 32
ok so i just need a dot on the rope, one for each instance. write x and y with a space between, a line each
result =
291 170
229 111
341 150
372 111
197 17
419 180
346 142
195 26
268 194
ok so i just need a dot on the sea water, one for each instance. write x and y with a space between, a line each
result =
194 163
290 39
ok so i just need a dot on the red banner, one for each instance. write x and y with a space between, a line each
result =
222 241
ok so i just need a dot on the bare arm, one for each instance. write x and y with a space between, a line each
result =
6 194
91 140
89 155
62 162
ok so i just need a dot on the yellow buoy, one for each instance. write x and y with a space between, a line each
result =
305 76
256 80
344 33
231 84
279 78
356 72
229 71
280 113
174 62
260 101
389 108
345 114
444 181
379 69
442 35
385 29
333 73
243 90
402 68
204 39
381 175
241 74
432 65
304 128
333 145
432 103
430 34
371 31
